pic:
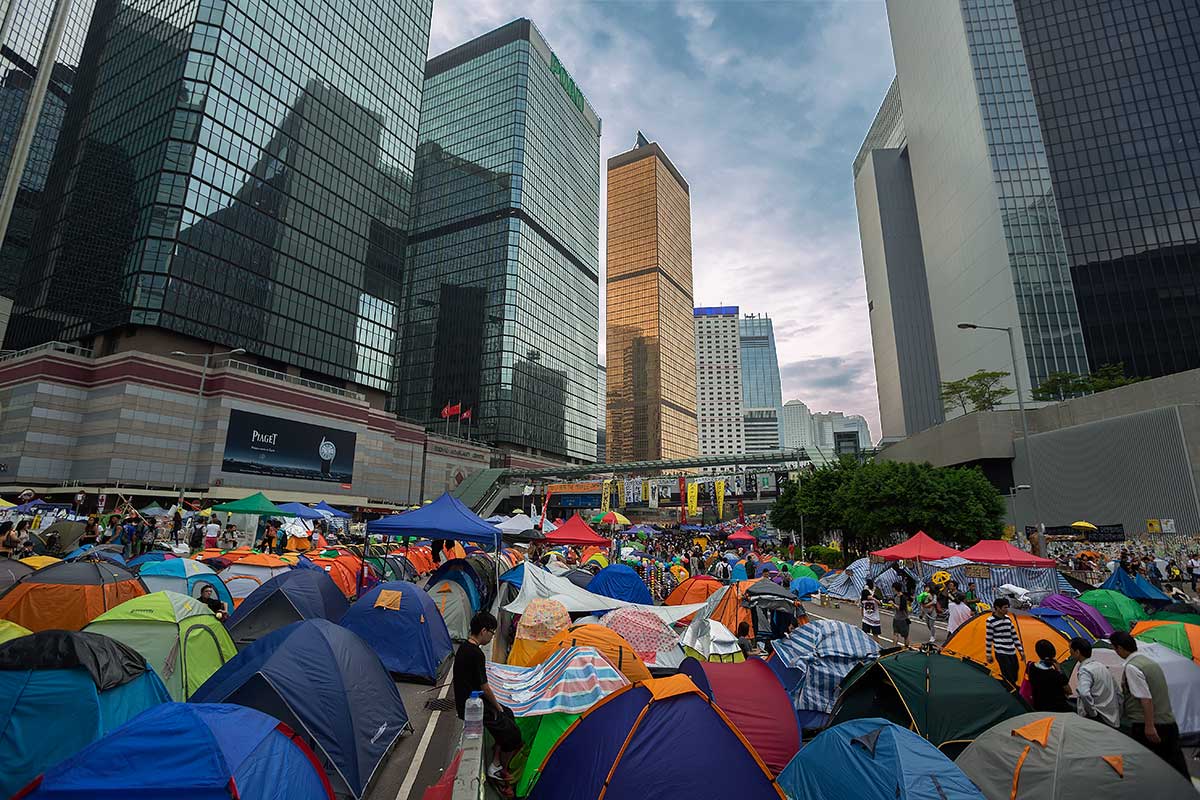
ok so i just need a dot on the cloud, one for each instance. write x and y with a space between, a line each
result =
762 106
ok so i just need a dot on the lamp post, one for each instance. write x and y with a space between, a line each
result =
207 358
1012 501
1012 348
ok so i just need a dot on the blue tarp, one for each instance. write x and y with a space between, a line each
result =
635 747
444 518
873 759
79 687
411 640
339 514
621 582
812 660
326 684
197 751
300 510
1134 586
805 587
310 592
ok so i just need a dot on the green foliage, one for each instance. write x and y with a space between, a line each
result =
870 502
982 391
1062 385
829 556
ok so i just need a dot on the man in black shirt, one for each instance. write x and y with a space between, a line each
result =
470 675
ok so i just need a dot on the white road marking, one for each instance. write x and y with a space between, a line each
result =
410 777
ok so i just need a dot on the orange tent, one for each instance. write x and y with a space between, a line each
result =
343 573
611 644
229 555
970 641
730 611
68 595
420 557
693 590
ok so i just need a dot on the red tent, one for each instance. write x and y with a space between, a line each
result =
994 551
576 531
755 701
919 546
741 536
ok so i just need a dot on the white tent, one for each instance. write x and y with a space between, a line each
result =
540 583
518 523
1182 674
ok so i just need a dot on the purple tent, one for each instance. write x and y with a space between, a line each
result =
1087 616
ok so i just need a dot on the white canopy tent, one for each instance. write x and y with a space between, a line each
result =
537 582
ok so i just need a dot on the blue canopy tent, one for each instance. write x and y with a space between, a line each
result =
402 625
198 751
288 597
621 582
878 760
1134 586
62 690
328 509
327 685
300 510
444 518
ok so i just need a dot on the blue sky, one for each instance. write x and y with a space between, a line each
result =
762 106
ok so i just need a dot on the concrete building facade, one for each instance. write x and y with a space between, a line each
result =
719 413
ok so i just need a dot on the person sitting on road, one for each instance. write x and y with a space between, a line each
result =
470 675
746 640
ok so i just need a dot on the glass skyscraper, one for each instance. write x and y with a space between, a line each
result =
1116 85
762 397
237 172
502 293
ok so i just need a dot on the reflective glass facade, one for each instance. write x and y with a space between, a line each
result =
1046 302
18 68
762 398
1117 86
502 299
651 339
237 171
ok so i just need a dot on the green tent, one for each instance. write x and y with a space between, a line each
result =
949 701
177 635
1176 616
540 734
803 571
256 503
1120 611
1174 635
11 630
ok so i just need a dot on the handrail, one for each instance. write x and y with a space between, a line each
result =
56 347
254 369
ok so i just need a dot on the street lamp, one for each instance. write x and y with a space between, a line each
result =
1012 347
207 357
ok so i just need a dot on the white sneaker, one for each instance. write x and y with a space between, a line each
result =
496 772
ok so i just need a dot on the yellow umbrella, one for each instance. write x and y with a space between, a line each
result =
1084 525
5 504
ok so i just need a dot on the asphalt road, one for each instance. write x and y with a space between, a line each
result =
419 758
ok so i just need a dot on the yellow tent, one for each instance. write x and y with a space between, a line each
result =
970 641
5 504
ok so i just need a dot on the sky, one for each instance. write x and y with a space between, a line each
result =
762 106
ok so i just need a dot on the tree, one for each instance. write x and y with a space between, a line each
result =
982 391
1062 385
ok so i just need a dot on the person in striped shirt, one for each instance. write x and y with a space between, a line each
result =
1003 642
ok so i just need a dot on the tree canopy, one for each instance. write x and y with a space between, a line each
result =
1062 385
982 391
869 503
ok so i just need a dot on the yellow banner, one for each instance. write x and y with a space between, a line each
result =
719 488
605 492
693 499
645 491
621 493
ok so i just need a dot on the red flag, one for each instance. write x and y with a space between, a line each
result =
451 410
466 415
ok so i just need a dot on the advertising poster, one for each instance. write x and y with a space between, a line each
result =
256 444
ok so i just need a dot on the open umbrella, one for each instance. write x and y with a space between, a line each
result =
611 518
1083 525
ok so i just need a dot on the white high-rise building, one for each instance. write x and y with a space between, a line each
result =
797 425
719 419
823 435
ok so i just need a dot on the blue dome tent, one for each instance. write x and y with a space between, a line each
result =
402 625
62 690
288 597
462 572
805 587
327 685
621 582
197 751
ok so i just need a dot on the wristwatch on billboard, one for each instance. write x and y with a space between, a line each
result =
328 452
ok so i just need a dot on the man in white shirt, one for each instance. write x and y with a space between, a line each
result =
1097 696
1194 569
960 612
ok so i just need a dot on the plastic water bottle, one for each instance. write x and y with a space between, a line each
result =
473 717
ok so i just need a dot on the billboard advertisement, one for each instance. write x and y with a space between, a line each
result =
260 445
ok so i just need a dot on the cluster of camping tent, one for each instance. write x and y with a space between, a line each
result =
293 695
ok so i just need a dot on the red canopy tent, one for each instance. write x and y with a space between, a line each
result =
741 536
995 551
919 547
576 531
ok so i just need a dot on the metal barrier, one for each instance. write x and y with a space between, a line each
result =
55 347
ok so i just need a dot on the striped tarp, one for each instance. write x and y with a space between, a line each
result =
570 682
848 584
822 653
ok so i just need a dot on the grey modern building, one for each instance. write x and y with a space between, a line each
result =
502 284
236 174
906 367
762 396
